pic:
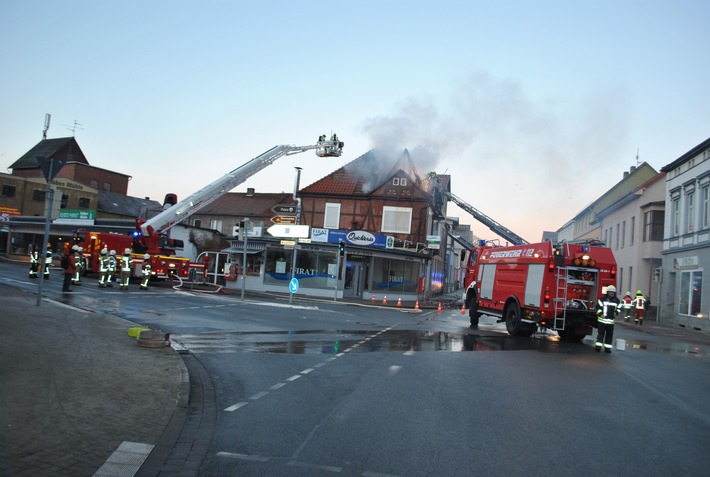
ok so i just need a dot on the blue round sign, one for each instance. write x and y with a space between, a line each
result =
293 286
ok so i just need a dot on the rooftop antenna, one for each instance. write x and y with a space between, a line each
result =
77 125
47 118
637 157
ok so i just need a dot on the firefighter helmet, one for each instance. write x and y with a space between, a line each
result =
127 251
104 251
611 288
639 292
112 252
628 293
146 256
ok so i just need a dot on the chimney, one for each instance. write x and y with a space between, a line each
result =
250 191
626 174
632 169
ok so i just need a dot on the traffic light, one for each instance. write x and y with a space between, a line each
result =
341 248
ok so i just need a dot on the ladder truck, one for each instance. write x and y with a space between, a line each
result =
151 236
535 285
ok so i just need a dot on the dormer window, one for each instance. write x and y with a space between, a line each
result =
395 181
399 181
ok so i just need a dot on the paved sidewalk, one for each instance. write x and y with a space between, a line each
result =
74 387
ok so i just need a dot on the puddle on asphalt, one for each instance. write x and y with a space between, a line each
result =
364 341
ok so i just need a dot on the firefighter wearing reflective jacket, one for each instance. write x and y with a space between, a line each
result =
607 308
639 306
125 264
146 272
48 261
103 268
111 275
79 259
34 263
626 302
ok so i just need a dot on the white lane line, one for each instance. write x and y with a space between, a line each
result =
409 353
329 468
394 369
306 371
277 386
319 365
294 377
236 406
258 395
232 455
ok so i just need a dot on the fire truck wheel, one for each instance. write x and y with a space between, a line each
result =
514 323
570 334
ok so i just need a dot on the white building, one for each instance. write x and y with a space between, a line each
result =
686 239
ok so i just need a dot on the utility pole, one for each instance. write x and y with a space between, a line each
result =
298 222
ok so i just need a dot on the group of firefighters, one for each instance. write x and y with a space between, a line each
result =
111 266
609 306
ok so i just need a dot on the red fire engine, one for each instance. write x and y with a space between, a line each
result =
555 286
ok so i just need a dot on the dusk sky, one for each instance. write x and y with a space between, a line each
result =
534 108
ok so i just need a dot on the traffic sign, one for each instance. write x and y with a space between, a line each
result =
284 219
284 209
291 231
293 285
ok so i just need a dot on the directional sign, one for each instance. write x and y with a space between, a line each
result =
293 285
284 219
284 209
291 231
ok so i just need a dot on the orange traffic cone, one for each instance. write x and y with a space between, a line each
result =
384 301
399 302
373 298
463 309
439 310
416 305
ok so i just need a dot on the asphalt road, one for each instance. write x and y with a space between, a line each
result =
319 388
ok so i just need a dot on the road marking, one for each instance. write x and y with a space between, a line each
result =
306 371
258 395
232 455
394 369
125 460
329 468
277 386
236 406
294 377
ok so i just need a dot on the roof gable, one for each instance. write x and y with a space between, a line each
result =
364 176
65 148
246 204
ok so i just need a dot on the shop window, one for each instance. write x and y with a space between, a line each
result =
691 287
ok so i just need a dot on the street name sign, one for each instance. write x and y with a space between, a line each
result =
284 209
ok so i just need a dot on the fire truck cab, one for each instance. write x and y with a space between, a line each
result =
553 286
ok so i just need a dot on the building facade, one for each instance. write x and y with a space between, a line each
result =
686 239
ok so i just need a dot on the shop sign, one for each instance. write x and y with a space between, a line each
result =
686 262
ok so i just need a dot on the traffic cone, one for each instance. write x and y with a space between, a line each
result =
384 301
439 310
373 298
416 305
399 302
463 309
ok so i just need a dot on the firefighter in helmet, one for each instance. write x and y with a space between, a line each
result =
103 268
608 306
111 274
146 272
125 264
626 303
79 260
34 262
639 306
48 259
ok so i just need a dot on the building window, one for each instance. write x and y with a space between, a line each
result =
623 234
403 181
675 218
690 211
38 195
197 222
332 216
618 229
705 213
691 287
397 220
65 201
216 224
633 231
8 191
653 226
395 181
94 184
84 202
107 186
